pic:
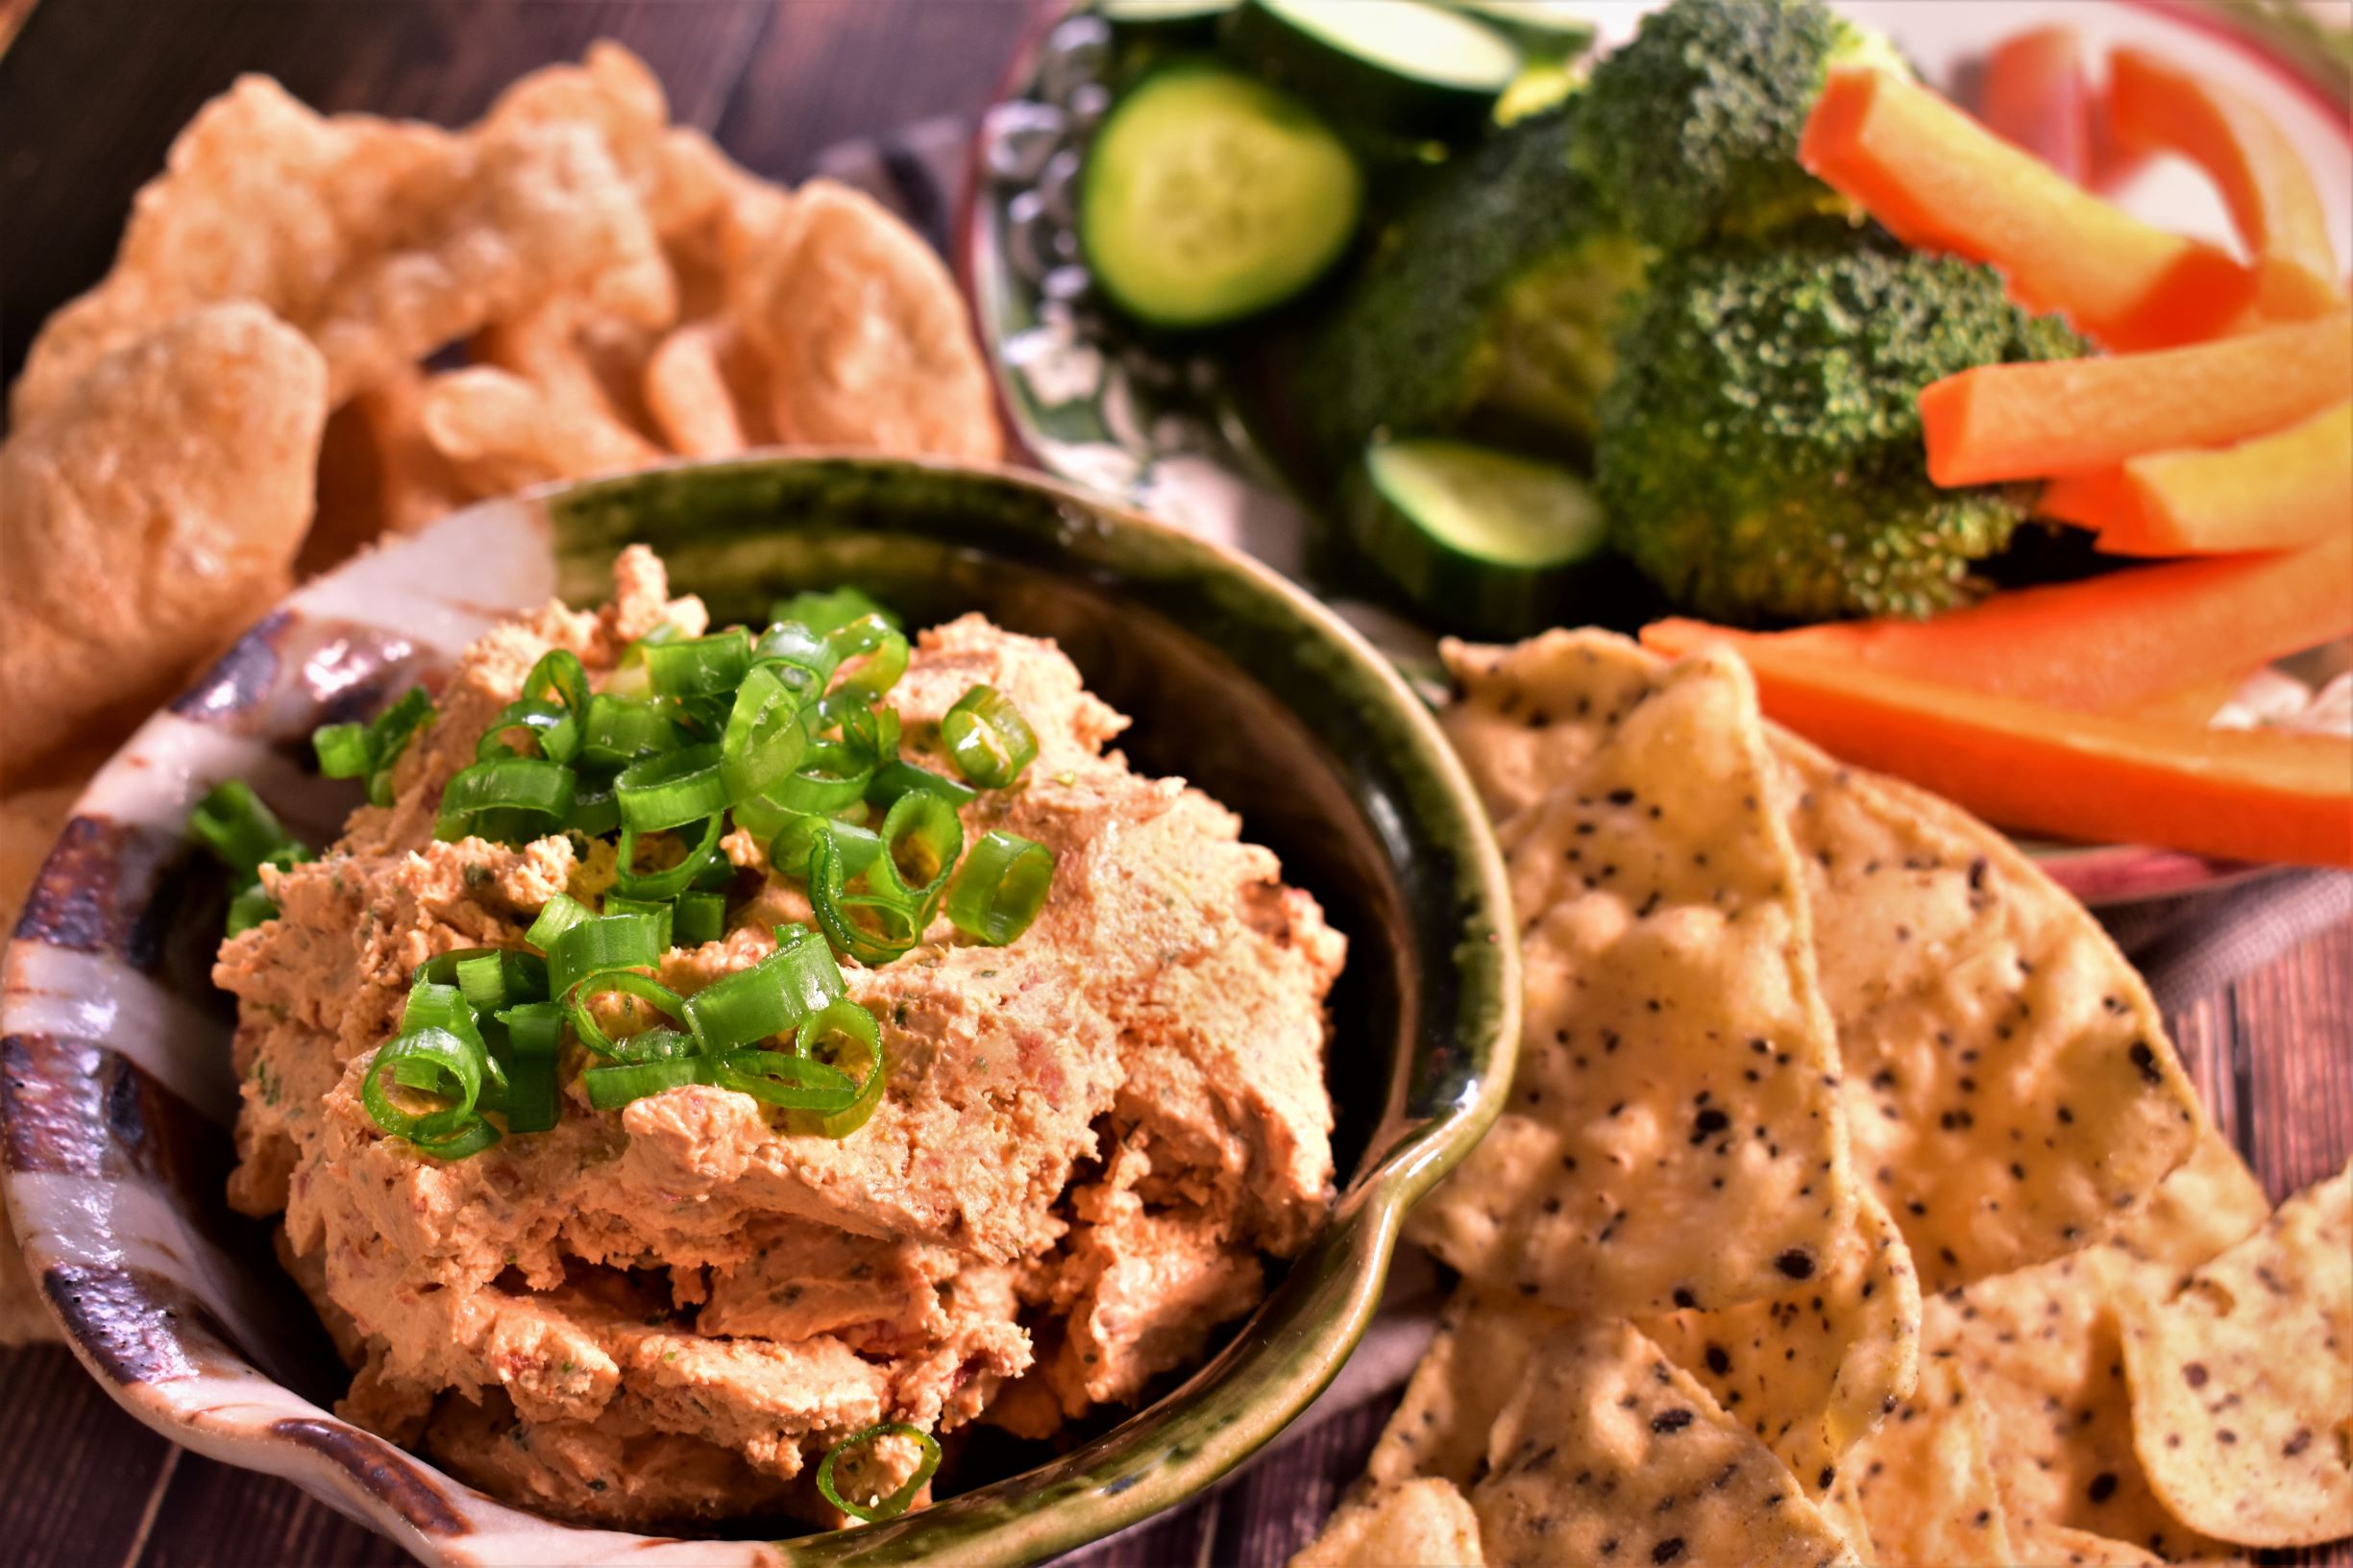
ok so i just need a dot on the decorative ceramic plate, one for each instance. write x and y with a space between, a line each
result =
1157 427
115 1086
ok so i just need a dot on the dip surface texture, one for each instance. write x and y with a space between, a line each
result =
1091 1141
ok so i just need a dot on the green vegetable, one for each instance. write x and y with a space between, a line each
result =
1498 289
244 835
1482 540
1208 196
988 739
1400 68
1760 450
1001 887
880 1508
1691 129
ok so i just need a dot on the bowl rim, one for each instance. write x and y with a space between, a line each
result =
1281 1357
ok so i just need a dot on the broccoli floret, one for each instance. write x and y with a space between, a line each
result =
1500 286
1691 128
1760 451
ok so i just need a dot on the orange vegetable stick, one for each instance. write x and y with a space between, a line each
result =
2156 106
2037 97
2246 795
2195 704
2069 416
2273 492
2104 644
1942 181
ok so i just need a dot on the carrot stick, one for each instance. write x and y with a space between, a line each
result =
2244 795
2193 704
2069 416
2279 491
2037 96
2159 106
2104 644
1942 181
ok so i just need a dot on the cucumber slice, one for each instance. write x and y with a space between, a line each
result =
1172 24
1208 196
1551 29
1480 538
1403 67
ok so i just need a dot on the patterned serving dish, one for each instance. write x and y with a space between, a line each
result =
115 1089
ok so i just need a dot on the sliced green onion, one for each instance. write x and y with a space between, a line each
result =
698 917
344 750
610 1087
426 1059
802 659
534 1030
793 1082
823 1039
920 839
558 671
832 774
880 650
351 751
594 813
821 612
898 923
469 1140
887 1507
672 790
645 988
769 999
248 908
699 666
503 980
232 821
990 740
897 777
763 737
1001 887
789 854
521 789
615 731
674 880
558 916
551 726
442 968
658 910
608 942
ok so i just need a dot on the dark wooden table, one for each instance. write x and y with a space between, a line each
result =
90 95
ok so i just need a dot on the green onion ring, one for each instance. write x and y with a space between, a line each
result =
900 922
699 666
881 649
1001 887
822 611
594 813
897 777
672 790
658 910
763 737
697 917
492 982
553 727
669 883
615 731
523 788
888 1508
607 942
610 1087
643 986
789 854
558 916
847 1020
232 821
769 999
793 1082
448 1063
345 750
919 822
471 1139
988 739
832 774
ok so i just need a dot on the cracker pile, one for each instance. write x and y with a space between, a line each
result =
320 331
1850 1205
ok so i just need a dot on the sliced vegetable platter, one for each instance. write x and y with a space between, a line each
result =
1177 200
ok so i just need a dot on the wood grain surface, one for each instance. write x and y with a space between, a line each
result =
91 95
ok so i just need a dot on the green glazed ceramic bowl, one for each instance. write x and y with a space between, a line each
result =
1237 682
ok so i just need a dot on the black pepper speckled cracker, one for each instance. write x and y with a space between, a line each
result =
1613 1454
1673 1137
